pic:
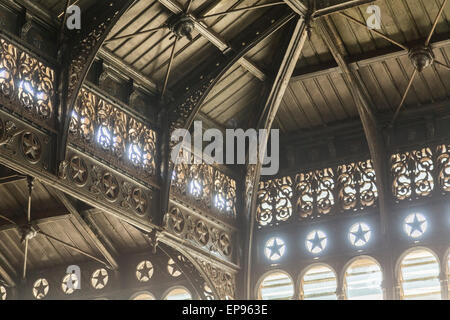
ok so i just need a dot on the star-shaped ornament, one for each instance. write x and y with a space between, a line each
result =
275 250
40 289
144 271
360 237
417 226
99 279
317 243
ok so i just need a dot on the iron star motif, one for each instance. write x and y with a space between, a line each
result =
31 147
100 279
2 293
317 242
41 290
416 225
275 249
145 271
79 170
111 186
360 234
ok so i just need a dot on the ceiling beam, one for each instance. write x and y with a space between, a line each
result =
215 39
366 59
297 6
364 106
89 231
37 218
285 62
340 6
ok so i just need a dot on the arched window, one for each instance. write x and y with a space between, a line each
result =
178 293
276 286
363 279
419 276
319 283
448 275
143 296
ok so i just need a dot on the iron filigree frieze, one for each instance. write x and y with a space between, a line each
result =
357 185
97 181
204 187
412 174
26 85
274 201
317 193
200 231
443 163
107 132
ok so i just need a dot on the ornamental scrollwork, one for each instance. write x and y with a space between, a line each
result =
108 132
26 84
204 186
224 282
315 192
225 194
275 201
443 164
357 185
412 174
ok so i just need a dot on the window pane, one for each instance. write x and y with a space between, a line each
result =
144 296
420 276
363 280
276 286
319 283
178 294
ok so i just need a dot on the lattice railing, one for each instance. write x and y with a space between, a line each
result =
26 84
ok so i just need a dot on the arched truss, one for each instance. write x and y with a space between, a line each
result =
80 54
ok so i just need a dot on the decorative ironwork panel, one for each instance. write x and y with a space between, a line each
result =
99 182
26 85
412 174
204 186
224 282
225 194
315 193
274 201
357 185
213 237
23 144
443 163
109 133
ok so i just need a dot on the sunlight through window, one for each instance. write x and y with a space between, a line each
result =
178 294
363 280
276 286
419 276
319 283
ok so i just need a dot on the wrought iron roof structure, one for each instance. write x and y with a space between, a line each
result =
358 89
